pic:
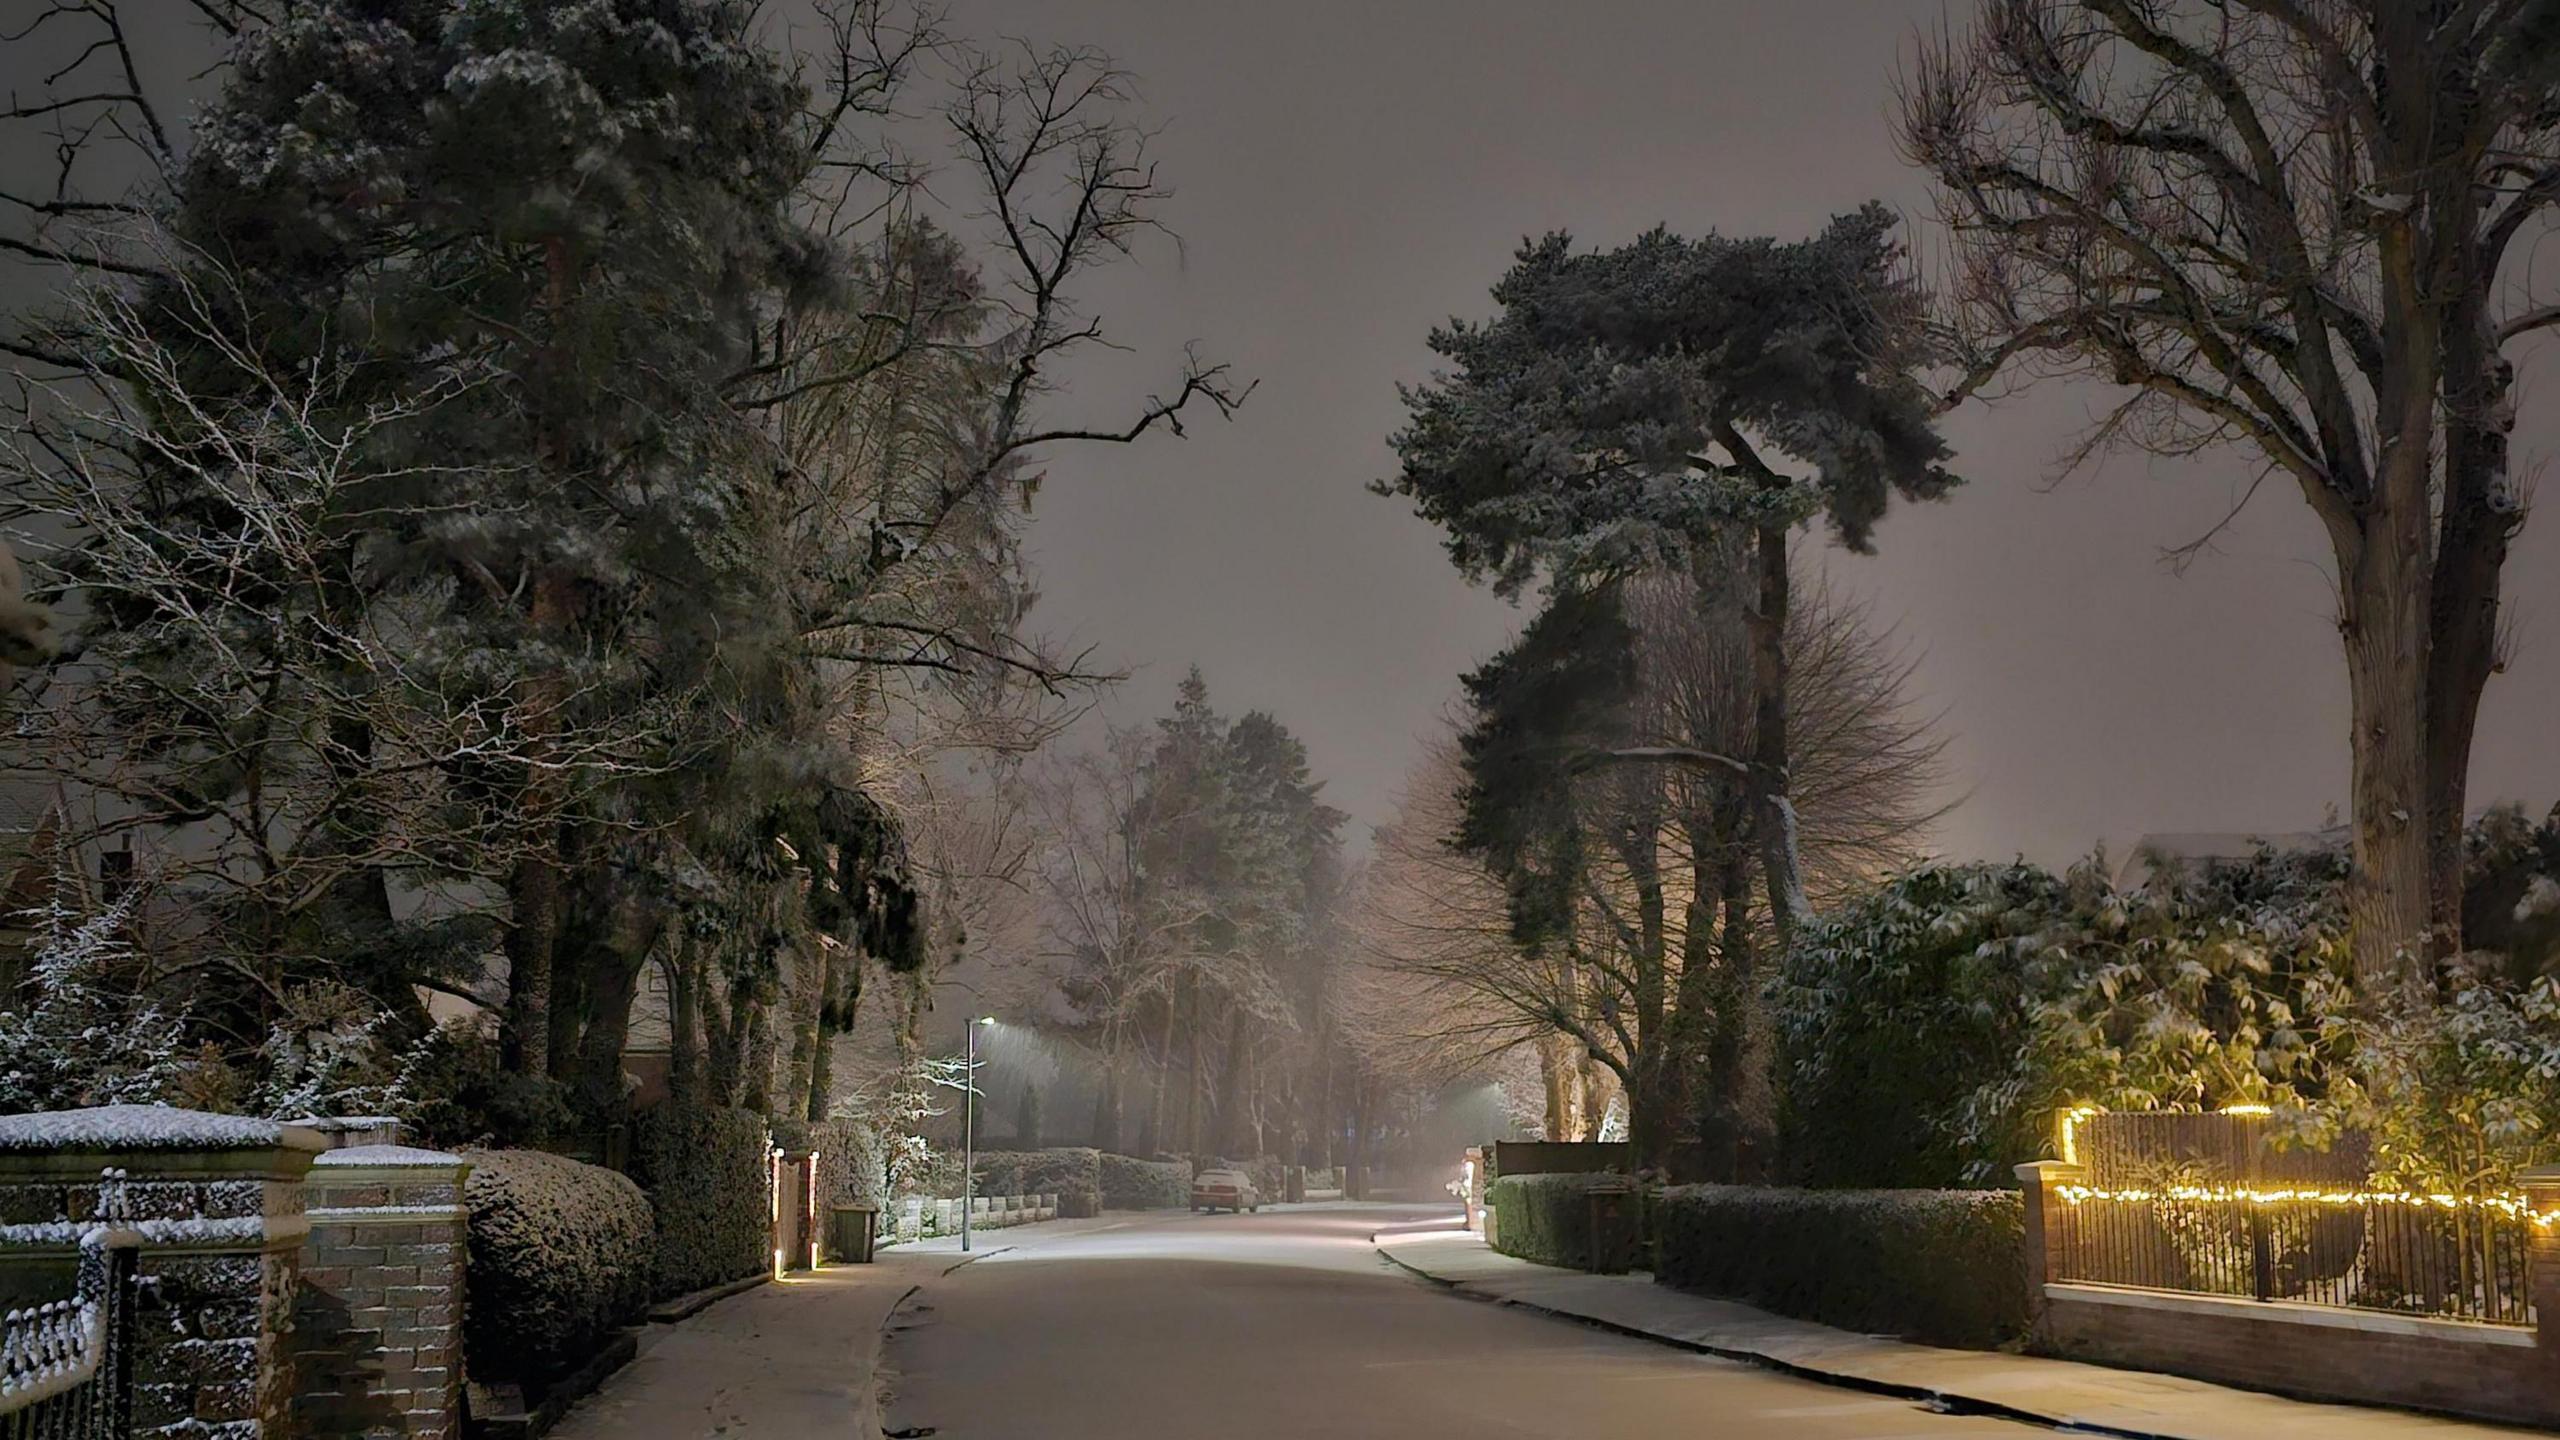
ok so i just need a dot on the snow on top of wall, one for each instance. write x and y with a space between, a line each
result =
136 1127
386 1155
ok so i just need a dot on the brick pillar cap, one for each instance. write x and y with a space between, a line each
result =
342 1166
2058 1172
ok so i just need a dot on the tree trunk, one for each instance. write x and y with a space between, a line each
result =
2481 514
1106 1100
1781 857
1560 1071
822 1075
1735 1068
2383 622
533 922
684 1022
1235 1106
1193 1078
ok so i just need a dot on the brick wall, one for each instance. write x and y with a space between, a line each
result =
378 1319
2489 1371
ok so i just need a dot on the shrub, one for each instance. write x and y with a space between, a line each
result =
1072 1173
1944 1267
708 1174
558 1259
1129 1183
1265 1171
1546 1217
852 1170
1926 1032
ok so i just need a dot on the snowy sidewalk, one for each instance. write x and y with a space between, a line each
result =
2053 1392
790 1358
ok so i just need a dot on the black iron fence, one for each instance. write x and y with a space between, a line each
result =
66 1366
2207 1204
2457 1257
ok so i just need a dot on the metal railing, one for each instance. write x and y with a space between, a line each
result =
2204 1204
2454 1257
66 1366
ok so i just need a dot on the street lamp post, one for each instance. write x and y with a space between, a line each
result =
969 1133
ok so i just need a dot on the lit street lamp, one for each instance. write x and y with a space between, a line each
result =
969 1132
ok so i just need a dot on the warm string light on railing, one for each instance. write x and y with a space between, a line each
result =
2071 1120
2509 1204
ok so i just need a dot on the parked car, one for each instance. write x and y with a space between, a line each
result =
1216 1190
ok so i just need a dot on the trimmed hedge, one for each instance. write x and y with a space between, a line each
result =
708 1175
1129 1183
558 1260
1545 1218
1073 1173
1944 1267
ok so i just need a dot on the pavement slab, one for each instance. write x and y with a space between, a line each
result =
2056 1392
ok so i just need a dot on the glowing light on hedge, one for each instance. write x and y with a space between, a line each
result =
2248 1108
2510 1204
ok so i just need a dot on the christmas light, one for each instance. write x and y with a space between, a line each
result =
2071 1119
2508 1203
2249 1108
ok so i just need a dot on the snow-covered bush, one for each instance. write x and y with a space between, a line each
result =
85 1035
1937 1266
1072 1173
559 1259
709 1177
1927 1031
1129 1183
90 1026
851 1167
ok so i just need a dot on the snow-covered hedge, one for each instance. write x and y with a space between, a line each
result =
1945 1267
1129 1183
1546 1217
851 1166
708 1174
1073 1173
559 1259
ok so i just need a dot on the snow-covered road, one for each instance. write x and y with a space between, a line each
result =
1287 1324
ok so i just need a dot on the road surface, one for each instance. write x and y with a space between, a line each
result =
1287 1324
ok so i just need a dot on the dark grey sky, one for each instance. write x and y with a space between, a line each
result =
1349 174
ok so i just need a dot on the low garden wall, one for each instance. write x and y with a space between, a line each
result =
2501 1372
914 1217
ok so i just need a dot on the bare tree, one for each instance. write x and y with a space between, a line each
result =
1656 977
1439 987
1119 932
2289 226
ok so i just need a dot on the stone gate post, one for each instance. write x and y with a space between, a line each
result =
213 1204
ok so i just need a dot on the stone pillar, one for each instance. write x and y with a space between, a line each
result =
2542 1253
2039 1180
212 1205
378 1322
